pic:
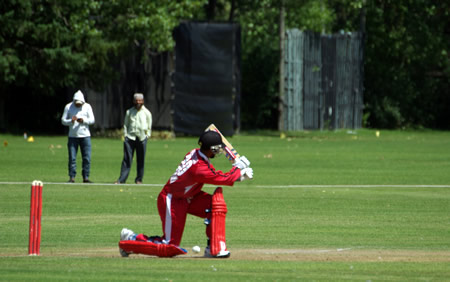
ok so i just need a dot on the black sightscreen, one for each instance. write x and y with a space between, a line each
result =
207 77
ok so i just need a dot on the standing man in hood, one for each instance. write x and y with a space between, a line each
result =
78 116
137 129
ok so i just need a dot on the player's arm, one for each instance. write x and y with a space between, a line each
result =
126 123
148 131
206 173
90 115
65 119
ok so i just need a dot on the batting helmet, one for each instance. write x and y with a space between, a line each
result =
210 140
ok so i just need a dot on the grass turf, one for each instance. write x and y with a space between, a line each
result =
81 223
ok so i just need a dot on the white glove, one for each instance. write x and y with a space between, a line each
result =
241 162
246 173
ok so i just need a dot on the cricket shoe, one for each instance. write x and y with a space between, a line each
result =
221 254
127 234
123 253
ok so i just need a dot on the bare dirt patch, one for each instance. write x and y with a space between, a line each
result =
318 255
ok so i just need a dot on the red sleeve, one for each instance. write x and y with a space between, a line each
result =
206 173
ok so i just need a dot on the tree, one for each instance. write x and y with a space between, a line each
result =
407 66
261 52
47 46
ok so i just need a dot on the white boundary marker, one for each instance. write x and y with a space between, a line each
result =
256 186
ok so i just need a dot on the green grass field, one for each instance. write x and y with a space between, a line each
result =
323 206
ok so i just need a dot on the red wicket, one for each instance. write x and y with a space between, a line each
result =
35 218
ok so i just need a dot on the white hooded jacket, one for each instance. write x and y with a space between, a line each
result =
77 129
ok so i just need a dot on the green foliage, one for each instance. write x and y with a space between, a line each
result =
346 14
310 15
259 92
47 47
387 113
260 57
259 21
149 23
406 57
76 40
407 63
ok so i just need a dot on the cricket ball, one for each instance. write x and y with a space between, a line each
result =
196 249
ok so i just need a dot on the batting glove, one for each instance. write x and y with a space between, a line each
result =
241 162
246 173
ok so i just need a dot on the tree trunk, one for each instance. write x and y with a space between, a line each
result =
281 83
211 10
233 7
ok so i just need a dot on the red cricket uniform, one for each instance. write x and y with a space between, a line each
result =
183 194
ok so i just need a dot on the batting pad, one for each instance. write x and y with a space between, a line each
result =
218 214
151 249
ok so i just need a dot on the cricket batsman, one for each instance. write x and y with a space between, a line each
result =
183 195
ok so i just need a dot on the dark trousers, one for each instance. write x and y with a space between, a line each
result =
129 147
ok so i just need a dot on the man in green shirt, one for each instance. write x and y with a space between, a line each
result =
137 129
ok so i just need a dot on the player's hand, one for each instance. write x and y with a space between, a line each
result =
241 162
246 173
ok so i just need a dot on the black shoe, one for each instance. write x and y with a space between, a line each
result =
87 181
71 180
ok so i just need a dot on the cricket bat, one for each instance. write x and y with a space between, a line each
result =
230 152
